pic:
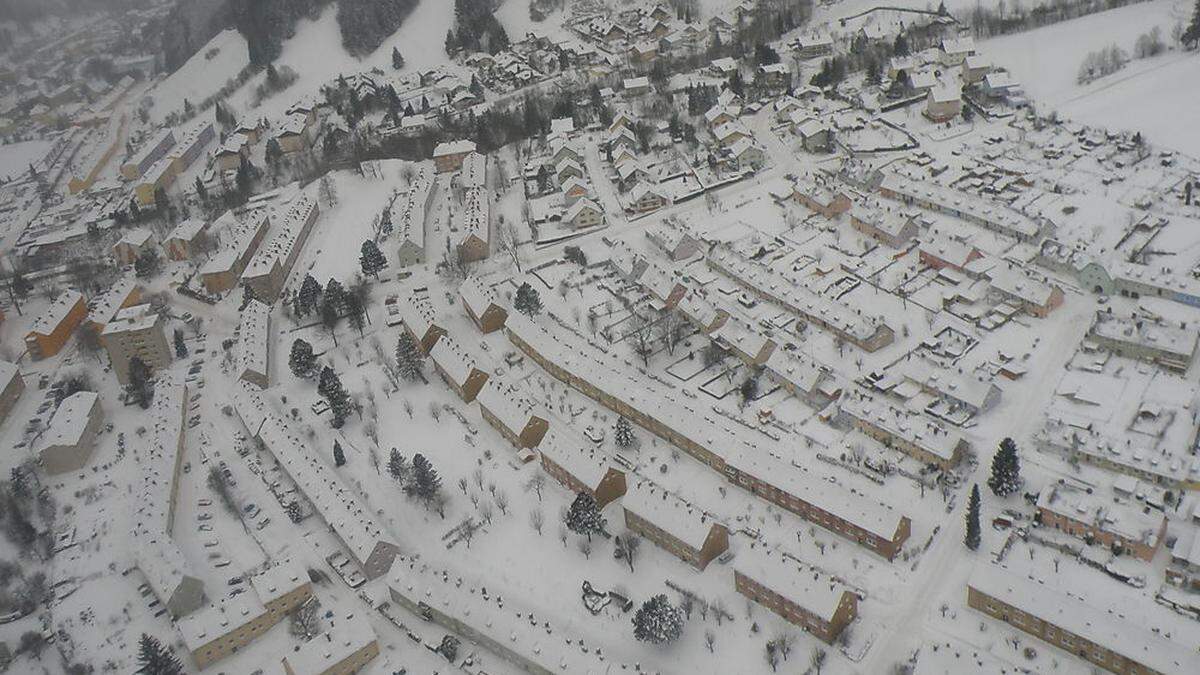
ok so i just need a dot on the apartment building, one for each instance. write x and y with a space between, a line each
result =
482 304
150 153
54 327
1173 347
133 245
222 271
1139 530
569 460
254 339
1065 621
457 368
180 244
916 436
509 411
136 332
68 441
221 629
344 649
420 321
678 528
409 211
802 595
11 386
476 225
272 263
449 156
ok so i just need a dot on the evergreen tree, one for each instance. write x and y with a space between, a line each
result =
274 154
334 296
900 46
301 360
244 178
398 467
181 350
201 191
146 264
339 457
356 312
371 259
584 516
138 388
306 299
408 357
623 434
527 301
426 483
1191 35
135 211
156 659
657 621
397 59
972 539
330 387
1006 470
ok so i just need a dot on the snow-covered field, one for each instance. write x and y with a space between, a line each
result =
1147 95
201 76
15 157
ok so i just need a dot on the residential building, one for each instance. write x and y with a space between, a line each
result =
956 50
296 133
1032 296
133 245
420 321
449 156
54 327
1168 345
644 198
668 522
254 341
579 467
482 304
151 152
409 211
181 243
916 436
272 263
457 368
1074 625
804 596
942 104
986 214
476 226
223 270
160 176
673 240
584 214
822 198
125 292
894 229
512 413
232 152
344 649
11 386
69 439
1139 533
136 332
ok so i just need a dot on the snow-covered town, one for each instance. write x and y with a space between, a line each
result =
599 336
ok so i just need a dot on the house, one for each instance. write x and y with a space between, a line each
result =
296 133
824 199
894 229
672 524
583 214
457 368
1114 525
70 437
1030 295
717 116
999 84
11 386
181 243
229 156
747 156
673 240
644 198
942 104
748 344
814 45
630 173
482 304
579 468
421 322
644 52
636 86
802 595
574 189
941 253
449 156
975 68
815 136
729 133
133 245
956 50
774 76
510 412
252 129
723 67
567 168
54 327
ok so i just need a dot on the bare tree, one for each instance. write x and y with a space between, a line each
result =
501 498
486 512
306 620
710 639
585 547
537 519
818 659
537 482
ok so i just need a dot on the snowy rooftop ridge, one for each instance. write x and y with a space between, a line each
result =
655 505
54 315
102 307
289 233
410 221
255 338
792 578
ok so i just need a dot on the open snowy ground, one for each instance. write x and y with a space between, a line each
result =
201 76
1147 95
16 157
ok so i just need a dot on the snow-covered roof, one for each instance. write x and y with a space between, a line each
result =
453 360
579 207
56 313
958 45
321 654
102 307
507 402
1161 337
237 244
254 338
686 523
164 138
799 371
916 429
418 314
474 171
1126 521
409 219
575 455
788 576
69 422
475 218
453 148
136 237
281 246
133 318
1047 600
960 204
1017 283
188 229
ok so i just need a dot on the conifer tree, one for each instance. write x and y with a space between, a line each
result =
398 467
397 59
408 358
306 299
371 259
584 516
302 361
657 621
623 434
972 539
527 300
339 457
1006 470
426 483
